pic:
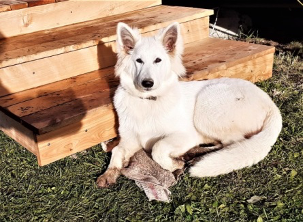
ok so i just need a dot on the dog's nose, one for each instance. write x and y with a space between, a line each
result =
147 83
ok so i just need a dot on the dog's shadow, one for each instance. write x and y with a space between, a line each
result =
107 59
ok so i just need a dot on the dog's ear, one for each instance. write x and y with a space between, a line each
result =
170 36
172 41
126 38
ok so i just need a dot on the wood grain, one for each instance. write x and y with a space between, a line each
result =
216 56
98 126
42 91
254 70
58 104
67 113
41 72
59 97
44 17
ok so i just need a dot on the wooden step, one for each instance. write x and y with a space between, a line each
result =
29 19
44 57
65 117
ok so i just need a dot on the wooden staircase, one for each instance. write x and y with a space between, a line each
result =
57 81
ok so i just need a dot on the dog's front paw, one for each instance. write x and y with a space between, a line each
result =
108 178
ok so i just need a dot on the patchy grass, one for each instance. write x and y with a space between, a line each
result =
66 191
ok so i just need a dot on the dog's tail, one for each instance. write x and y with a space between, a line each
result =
242 153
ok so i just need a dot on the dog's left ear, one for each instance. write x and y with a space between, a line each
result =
170 37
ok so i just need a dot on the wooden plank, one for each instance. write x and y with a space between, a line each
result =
216 55
14 4
48 70
61 40
33 19
69 112
18 132
17 98
254 70
60 96
98 126
44 71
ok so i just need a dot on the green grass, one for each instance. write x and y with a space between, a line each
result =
66 191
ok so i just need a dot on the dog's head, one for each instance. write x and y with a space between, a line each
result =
147 64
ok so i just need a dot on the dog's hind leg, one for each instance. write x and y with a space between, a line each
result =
121 154
167 151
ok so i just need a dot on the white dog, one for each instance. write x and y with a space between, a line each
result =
159 113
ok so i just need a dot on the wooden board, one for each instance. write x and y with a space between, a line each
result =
33 19
44 90
40 72
254 70
50 107
98 126
47 70
218 58
59 104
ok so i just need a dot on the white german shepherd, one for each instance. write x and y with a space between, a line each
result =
158 112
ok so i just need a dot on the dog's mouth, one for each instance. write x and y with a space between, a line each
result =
147 89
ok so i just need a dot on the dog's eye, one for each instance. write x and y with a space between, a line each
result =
139 61
157 60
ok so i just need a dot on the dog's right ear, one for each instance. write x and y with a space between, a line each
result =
126 38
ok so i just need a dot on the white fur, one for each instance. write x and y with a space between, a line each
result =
186 114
